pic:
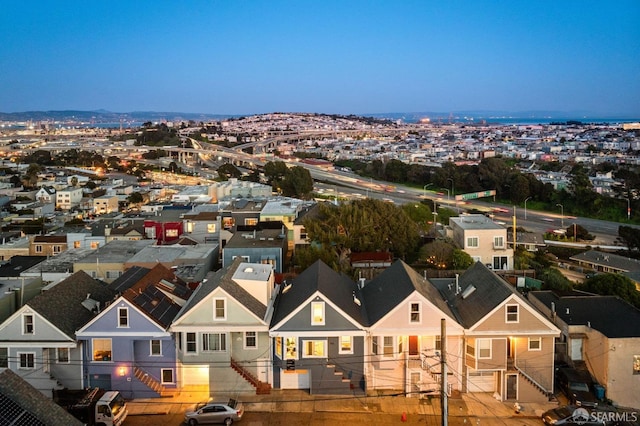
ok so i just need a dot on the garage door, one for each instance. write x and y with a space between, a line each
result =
194 374
481 381
297 379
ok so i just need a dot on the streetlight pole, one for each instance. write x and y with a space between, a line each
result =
452 191
561 213
525 207
424 189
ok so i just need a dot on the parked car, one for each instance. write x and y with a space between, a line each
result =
578 387
211 412
567 415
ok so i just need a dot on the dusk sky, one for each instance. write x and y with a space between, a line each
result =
344 56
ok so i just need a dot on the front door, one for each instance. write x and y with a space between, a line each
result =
413 345
512 386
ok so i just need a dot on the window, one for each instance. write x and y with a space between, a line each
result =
155 347
189 226
171 232
500 262
346 344
179 341
57 249
76 244
113 274
4 358
636 364
290 345
251 221
211 228
250 340
317 313
191 343
535 343
27 324
512 313
484 348
471 350
214 342
95 245
279 347
314 348
415 313
374 345
387 349
473 242
219 309
303 234
27 361
498 242
101 349
123 317
63 355
167 375
38 248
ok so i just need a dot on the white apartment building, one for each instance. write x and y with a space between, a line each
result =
483 239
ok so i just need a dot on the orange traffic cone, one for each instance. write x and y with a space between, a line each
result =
403 418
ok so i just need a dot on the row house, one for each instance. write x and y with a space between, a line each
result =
47 245
68 198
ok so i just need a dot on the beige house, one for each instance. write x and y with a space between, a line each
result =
68 198
600 334
105 204
483 239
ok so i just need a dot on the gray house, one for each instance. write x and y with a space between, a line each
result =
265 243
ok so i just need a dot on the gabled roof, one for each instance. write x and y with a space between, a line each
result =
610 315
62 304
138 277
468 305
335 287
22 404
153 302
386 291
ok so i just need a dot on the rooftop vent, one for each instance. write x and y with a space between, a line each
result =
467 291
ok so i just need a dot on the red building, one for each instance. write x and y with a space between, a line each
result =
163 232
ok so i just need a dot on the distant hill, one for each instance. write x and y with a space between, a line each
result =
103 116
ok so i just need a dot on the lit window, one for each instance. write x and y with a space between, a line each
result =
171 232
211 228
191 342
250 340
279 347
473 242
317 313
94 245
189 226
314 348
123 317
76 244
346 344
415 313
636 364
101 349
290 344
387 349
156 347
219 309
214 342
512 313
167 375
535 343
27 361
63 355
251 221
484 348
27 324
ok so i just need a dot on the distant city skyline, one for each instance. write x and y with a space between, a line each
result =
581 58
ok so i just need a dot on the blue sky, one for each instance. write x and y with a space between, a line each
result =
345 56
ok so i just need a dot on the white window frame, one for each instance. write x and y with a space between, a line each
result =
33 360
221 342
279 347
93 350
471 239
58 361
151 353
345 349
418 312
291 348
245 338
323 344
507 314
211 228
126 316
24 325
534 340
215 309
314 307
375 345
173 376
498 241
388 342
480 343
187 341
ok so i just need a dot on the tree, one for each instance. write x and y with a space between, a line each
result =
275 171
297 183
580 233
630 236
74 181
553 279
307 256
438 254
228 170
420 213
461 259
611 284
135 198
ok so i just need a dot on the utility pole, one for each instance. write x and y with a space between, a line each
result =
514 228
443 372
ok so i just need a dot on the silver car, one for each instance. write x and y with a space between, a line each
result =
214 412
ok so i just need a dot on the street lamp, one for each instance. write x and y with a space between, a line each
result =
435 214
525 207
424 189
561 213
452 191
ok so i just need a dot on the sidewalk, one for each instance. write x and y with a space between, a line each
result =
476 405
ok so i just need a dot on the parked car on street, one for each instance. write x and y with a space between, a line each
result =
578 386
212 412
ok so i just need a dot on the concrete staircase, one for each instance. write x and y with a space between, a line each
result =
151 382
261 388
339 384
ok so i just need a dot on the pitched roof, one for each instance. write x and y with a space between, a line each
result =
335 287
138 277
22 404
608 260
62 304
468 305
157 305
395 284
610 315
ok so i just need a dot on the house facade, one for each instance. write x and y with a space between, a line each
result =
68 198
483 239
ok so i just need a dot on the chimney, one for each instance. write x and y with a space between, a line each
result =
361 282
568 311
